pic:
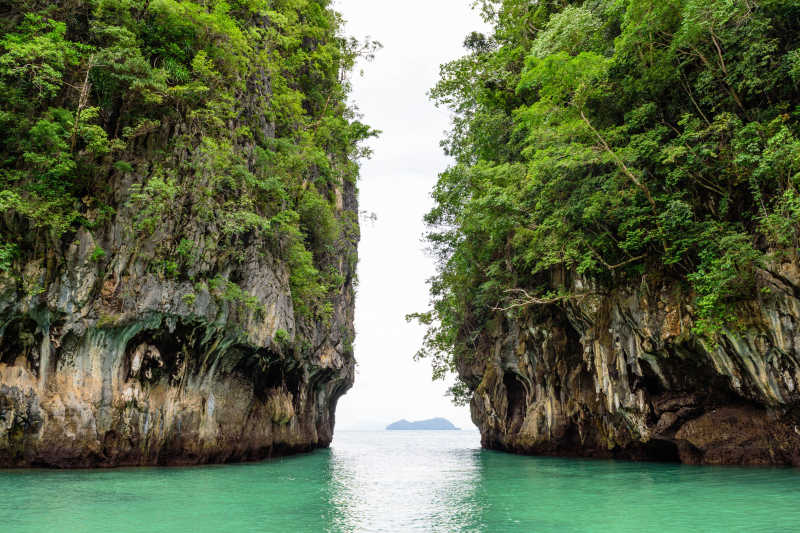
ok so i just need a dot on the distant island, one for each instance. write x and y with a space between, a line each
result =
432 424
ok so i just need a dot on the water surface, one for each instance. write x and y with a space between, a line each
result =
403 481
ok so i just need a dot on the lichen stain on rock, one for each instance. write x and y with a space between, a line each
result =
621 375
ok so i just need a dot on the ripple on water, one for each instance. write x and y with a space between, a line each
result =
403 481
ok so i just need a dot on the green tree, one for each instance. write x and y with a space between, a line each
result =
231 112
607 139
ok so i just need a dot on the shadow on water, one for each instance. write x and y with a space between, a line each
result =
549 494
403 481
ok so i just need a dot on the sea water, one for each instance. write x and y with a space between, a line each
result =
403 481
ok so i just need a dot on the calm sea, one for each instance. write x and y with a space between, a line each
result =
403 481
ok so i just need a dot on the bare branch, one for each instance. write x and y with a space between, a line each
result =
619 265
82 101
528 299
621 164
688 90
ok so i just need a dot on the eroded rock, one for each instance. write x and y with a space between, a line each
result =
109 364
621 374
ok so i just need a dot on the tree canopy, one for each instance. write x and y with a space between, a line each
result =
254 90
609 139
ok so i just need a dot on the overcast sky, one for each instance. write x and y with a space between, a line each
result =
395 184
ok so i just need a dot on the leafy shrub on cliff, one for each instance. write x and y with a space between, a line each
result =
230 113
610 139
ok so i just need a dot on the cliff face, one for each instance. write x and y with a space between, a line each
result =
621 375
617 241
177 279
112 365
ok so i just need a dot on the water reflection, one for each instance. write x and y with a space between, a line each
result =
419 483
403 481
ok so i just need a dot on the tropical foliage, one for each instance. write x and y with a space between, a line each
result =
607 139
250 96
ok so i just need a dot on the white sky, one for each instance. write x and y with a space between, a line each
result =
418 35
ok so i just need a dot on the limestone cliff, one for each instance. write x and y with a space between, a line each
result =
617 238
178 231
620 374
111 365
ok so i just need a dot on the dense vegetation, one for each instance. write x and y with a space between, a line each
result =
609 139
231 113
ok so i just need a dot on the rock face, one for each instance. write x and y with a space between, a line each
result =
621 375
109 365
114 366
164 329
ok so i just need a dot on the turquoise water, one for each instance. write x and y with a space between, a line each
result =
403 481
